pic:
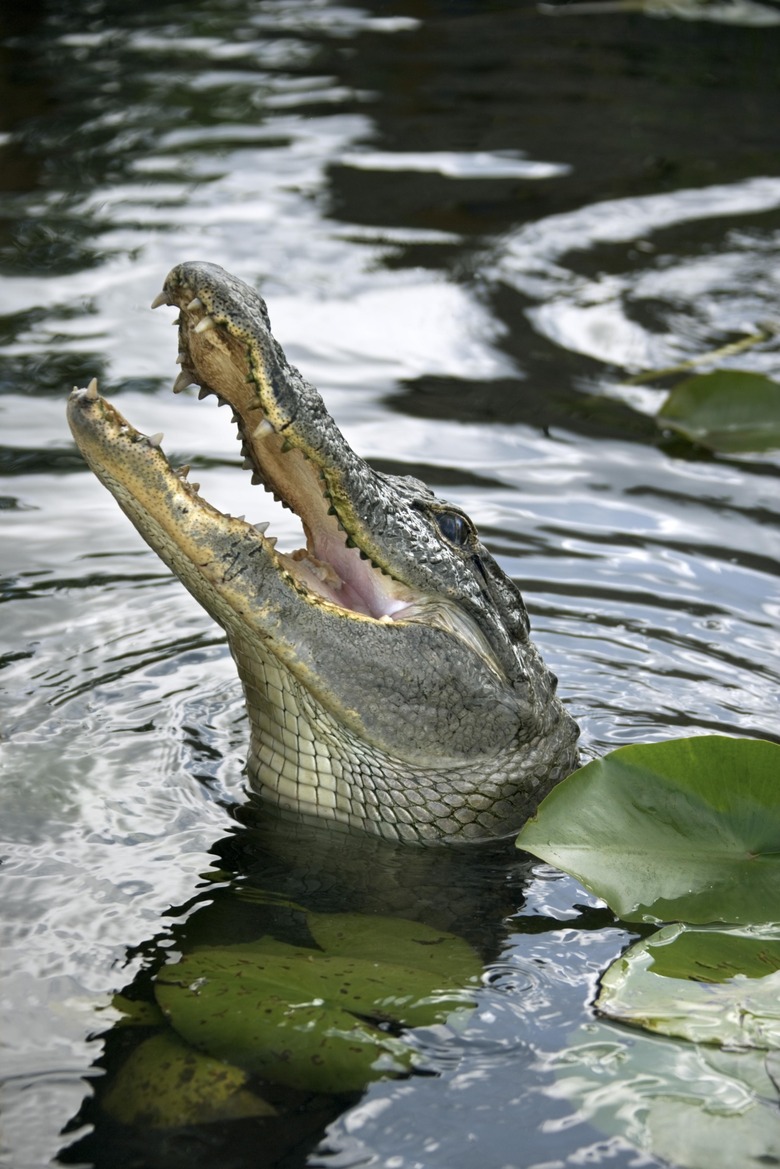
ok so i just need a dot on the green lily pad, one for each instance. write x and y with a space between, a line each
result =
731 411
164 1083
706 985
298 1016
687 830
714 954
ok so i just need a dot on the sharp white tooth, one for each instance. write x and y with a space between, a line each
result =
181 383
184 471
196 302
263 528
271 541
195 487
203 393
92 390
155 439
160 299
203 324
263 429
241 517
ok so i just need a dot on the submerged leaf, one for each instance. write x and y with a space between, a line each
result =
136 1012
706 985
731 411
299 1016
165 1084
409 942
687 830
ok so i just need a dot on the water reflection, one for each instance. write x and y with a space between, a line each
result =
470 221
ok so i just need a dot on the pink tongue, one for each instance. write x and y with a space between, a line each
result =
322 578
361 594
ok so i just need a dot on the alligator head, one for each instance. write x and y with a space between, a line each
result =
389 676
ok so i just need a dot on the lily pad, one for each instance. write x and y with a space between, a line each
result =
686 830
165 1084
719 986
731 411
301 1017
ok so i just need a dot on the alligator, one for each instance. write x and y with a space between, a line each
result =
390 680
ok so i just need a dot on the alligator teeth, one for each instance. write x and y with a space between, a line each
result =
203 393
155 439
263 528
181 357
182 381
203 324
92 390
263 429
271 541
184 471
160 299
196 302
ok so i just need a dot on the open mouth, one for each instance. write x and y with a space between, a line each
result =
365 535
216 354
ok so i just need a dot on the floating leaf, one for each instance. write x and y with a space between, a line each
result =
165 1083
687 830
688 1104
298 1016
731 411
707 985
715 955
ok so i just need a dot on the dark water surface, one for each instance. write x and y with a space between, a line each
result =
471 222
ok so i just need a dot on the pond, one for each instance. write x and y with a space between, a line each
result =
473 222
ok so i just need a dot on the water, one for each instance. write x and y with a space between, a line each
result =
471 222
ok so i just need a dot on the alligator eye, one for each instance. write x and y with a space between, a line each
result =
453 527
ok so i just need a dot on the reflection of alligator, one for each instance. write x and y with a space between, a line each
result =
388 673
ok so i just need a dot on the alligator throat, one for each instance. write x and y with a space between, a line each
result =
390 681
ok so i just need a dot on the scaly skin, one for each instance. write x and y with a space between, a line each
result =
390 681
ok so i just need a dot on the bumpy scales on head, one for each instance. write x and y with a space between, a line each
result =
390 681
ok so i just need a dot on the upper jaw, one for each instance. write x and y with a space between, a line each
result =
288 439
